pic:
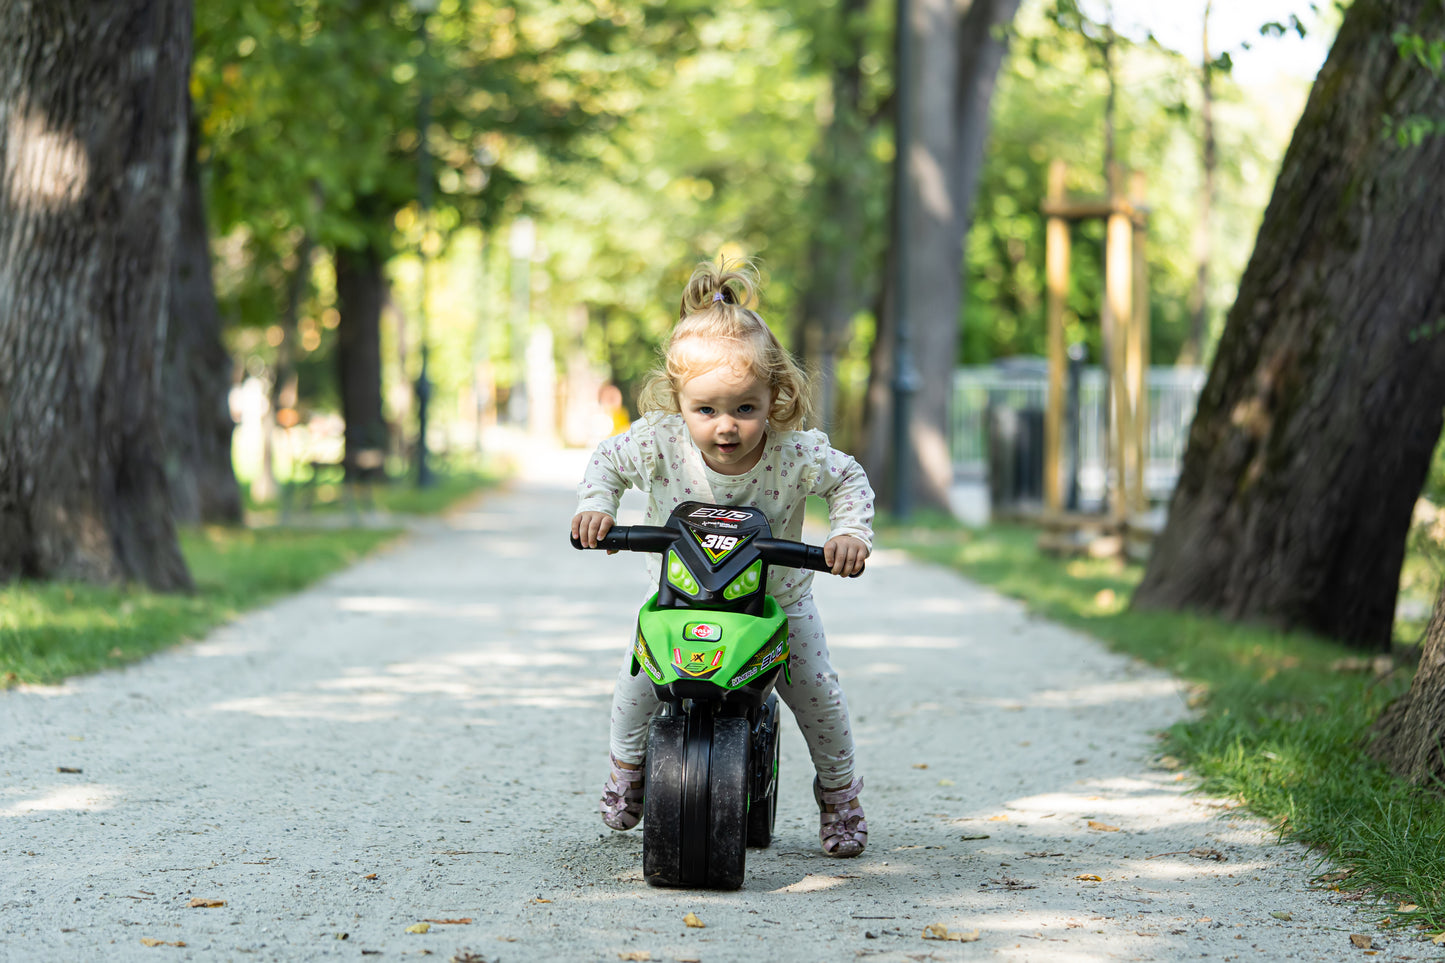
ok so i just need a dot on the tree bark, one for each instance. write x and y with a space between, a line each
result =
836 287
197 379
92 146
1324 402
360 295
958 51
1409 736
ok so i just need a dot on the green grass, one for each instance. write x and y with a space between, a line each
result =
1281 718
49 631
324 493
52 630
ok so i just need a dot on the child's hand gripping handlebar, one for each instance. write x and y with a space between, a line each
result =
653 538
633 538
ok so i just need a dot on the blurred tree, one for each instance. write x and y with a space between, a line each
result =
957 51
326 97
1050 103
91 161
846 200
1315 430
707 152
196 382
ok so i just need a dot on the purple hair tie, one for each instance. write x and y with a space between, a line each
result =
718 296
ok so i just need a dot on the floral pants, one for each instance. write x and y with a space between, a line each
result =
815 698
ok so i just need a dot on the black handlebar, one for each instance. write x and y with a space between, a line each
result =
634 538
652 538
791 554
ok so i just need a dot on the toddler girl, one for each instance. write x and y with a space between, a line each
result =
722 424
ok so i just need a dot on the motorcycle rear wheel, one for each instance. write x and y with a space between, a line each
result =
763 773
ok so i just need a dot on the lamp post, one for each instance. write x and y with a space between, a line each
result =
905 373
423 385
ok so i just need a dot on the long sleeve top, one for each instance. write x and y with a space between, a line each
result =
657 455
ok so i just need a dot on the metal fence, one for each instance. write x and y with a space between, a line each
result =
1024 386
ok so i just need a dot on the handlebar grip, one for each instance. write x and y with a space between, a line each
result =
633 538
795 555
792 554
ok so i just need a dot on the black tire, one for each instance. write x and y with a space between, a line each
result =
728 780
663 803
763 805
696 794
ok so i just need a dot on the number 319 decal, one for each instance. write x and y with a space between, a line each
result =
718 546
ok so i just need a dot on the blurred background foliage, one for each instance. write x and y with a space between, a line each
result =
640 136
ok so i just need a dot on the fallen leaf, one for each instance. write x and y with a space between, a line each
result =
1408 907
1363 942
147 941
69 769
200 903
975 836
998 819
1090 878
467 956
541 900
369 876
1438 938
945 782
920 765
1102 827
692 921
1282 915
1169 762
1202 853
418 928
456 922
635 955
937 931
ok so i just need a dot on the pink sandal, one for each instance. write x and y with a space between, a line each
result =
621 804
844 831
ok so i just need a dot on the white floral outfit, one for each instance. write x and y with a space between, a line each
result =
658 456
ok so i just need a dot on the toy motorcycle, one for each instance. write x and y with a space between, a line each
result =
713 643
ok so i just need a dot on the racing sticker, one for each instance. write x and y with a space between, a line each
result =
718 546
644 658
698 664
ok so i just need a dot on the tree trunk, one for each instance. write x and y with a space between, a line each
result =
1410 733
360 295
1323 404
92 147
957 53
197 379
835 286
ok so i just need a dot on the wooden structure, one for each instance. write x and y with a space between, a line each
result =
1125 318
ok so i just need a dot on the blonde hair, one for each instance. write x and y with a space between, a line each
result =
715 311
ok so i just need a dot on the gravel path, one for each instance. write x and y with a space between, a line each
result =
423 737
